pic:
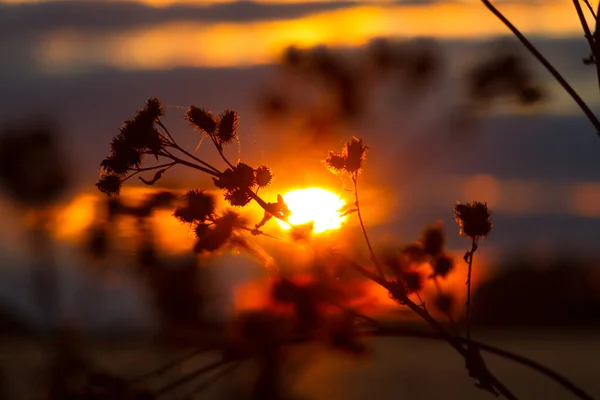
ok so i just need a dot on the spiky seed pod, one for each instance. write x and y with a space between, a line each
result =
228 125
201 230
335 162
201 119
241 177
238 198
109 184
264 176
199 206
433 240
442 265
474 219
154 108
124 154
413 281
356 153
114 165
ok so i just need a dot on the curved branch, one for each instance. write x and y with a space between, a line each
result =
542 369
533 50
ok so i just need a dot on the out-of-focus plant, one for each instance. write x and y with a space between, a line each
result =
583 9
301 310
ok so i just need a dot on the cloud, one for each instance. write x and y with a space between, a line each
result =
97 15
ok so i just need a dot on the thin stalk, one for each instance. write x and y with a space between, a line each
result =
189 164
174 144
542 369
455 342
138 170
213 379
589 6
362 225
589 37
169 365
190 377
470 262
559 78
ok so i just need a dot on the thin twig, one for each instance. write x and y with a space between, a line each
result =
533 50
587 3
169 365
174 144
589 37
544 370
166 154
470 262
455 342
138 170
190 377
213 379
362 225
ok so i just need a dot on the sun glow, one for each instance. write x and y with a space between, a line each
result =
318 205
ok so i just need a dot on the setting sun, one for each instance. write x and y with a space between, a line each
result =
318 205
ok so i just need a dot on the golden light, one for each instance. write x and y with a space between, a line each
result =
320 206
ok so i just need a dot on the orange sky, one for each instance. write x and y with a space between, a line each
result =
193 44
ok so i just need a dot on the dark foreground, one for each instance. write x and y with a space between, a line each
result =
399 368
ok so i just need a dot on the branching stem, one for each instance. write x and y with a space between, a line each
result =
533 50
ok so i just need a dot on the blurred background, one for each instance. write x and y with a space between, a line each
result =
88 65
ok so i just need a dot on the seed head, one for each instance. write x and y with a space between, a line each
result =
264 176
201 119
474 219
433 240
442 265
199 206
227 127
109 184
238 198
154 108
350 159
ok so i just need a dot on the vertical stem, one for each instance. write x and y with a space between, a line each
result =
470 262
362 225
44 273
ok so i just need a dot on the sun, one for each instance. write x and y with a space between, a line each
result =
314 204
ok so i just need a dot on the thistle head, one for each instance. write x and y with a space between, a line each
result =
474 219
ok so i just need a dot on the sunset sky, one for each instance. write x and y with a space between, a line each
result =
91 64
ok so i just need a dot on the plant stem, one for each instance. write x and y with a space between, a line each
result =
589 37
190 377
533 50
587 3
174 144
455 342
213 379
362 225
170 365
470 262
551 374
189 164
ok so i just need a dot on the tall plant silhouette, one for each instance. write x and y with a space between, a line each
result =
263 335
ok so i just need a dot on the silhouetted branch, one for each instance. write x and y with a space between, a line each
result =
191 376
542 369
533 50
587 3
169 365
213 379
